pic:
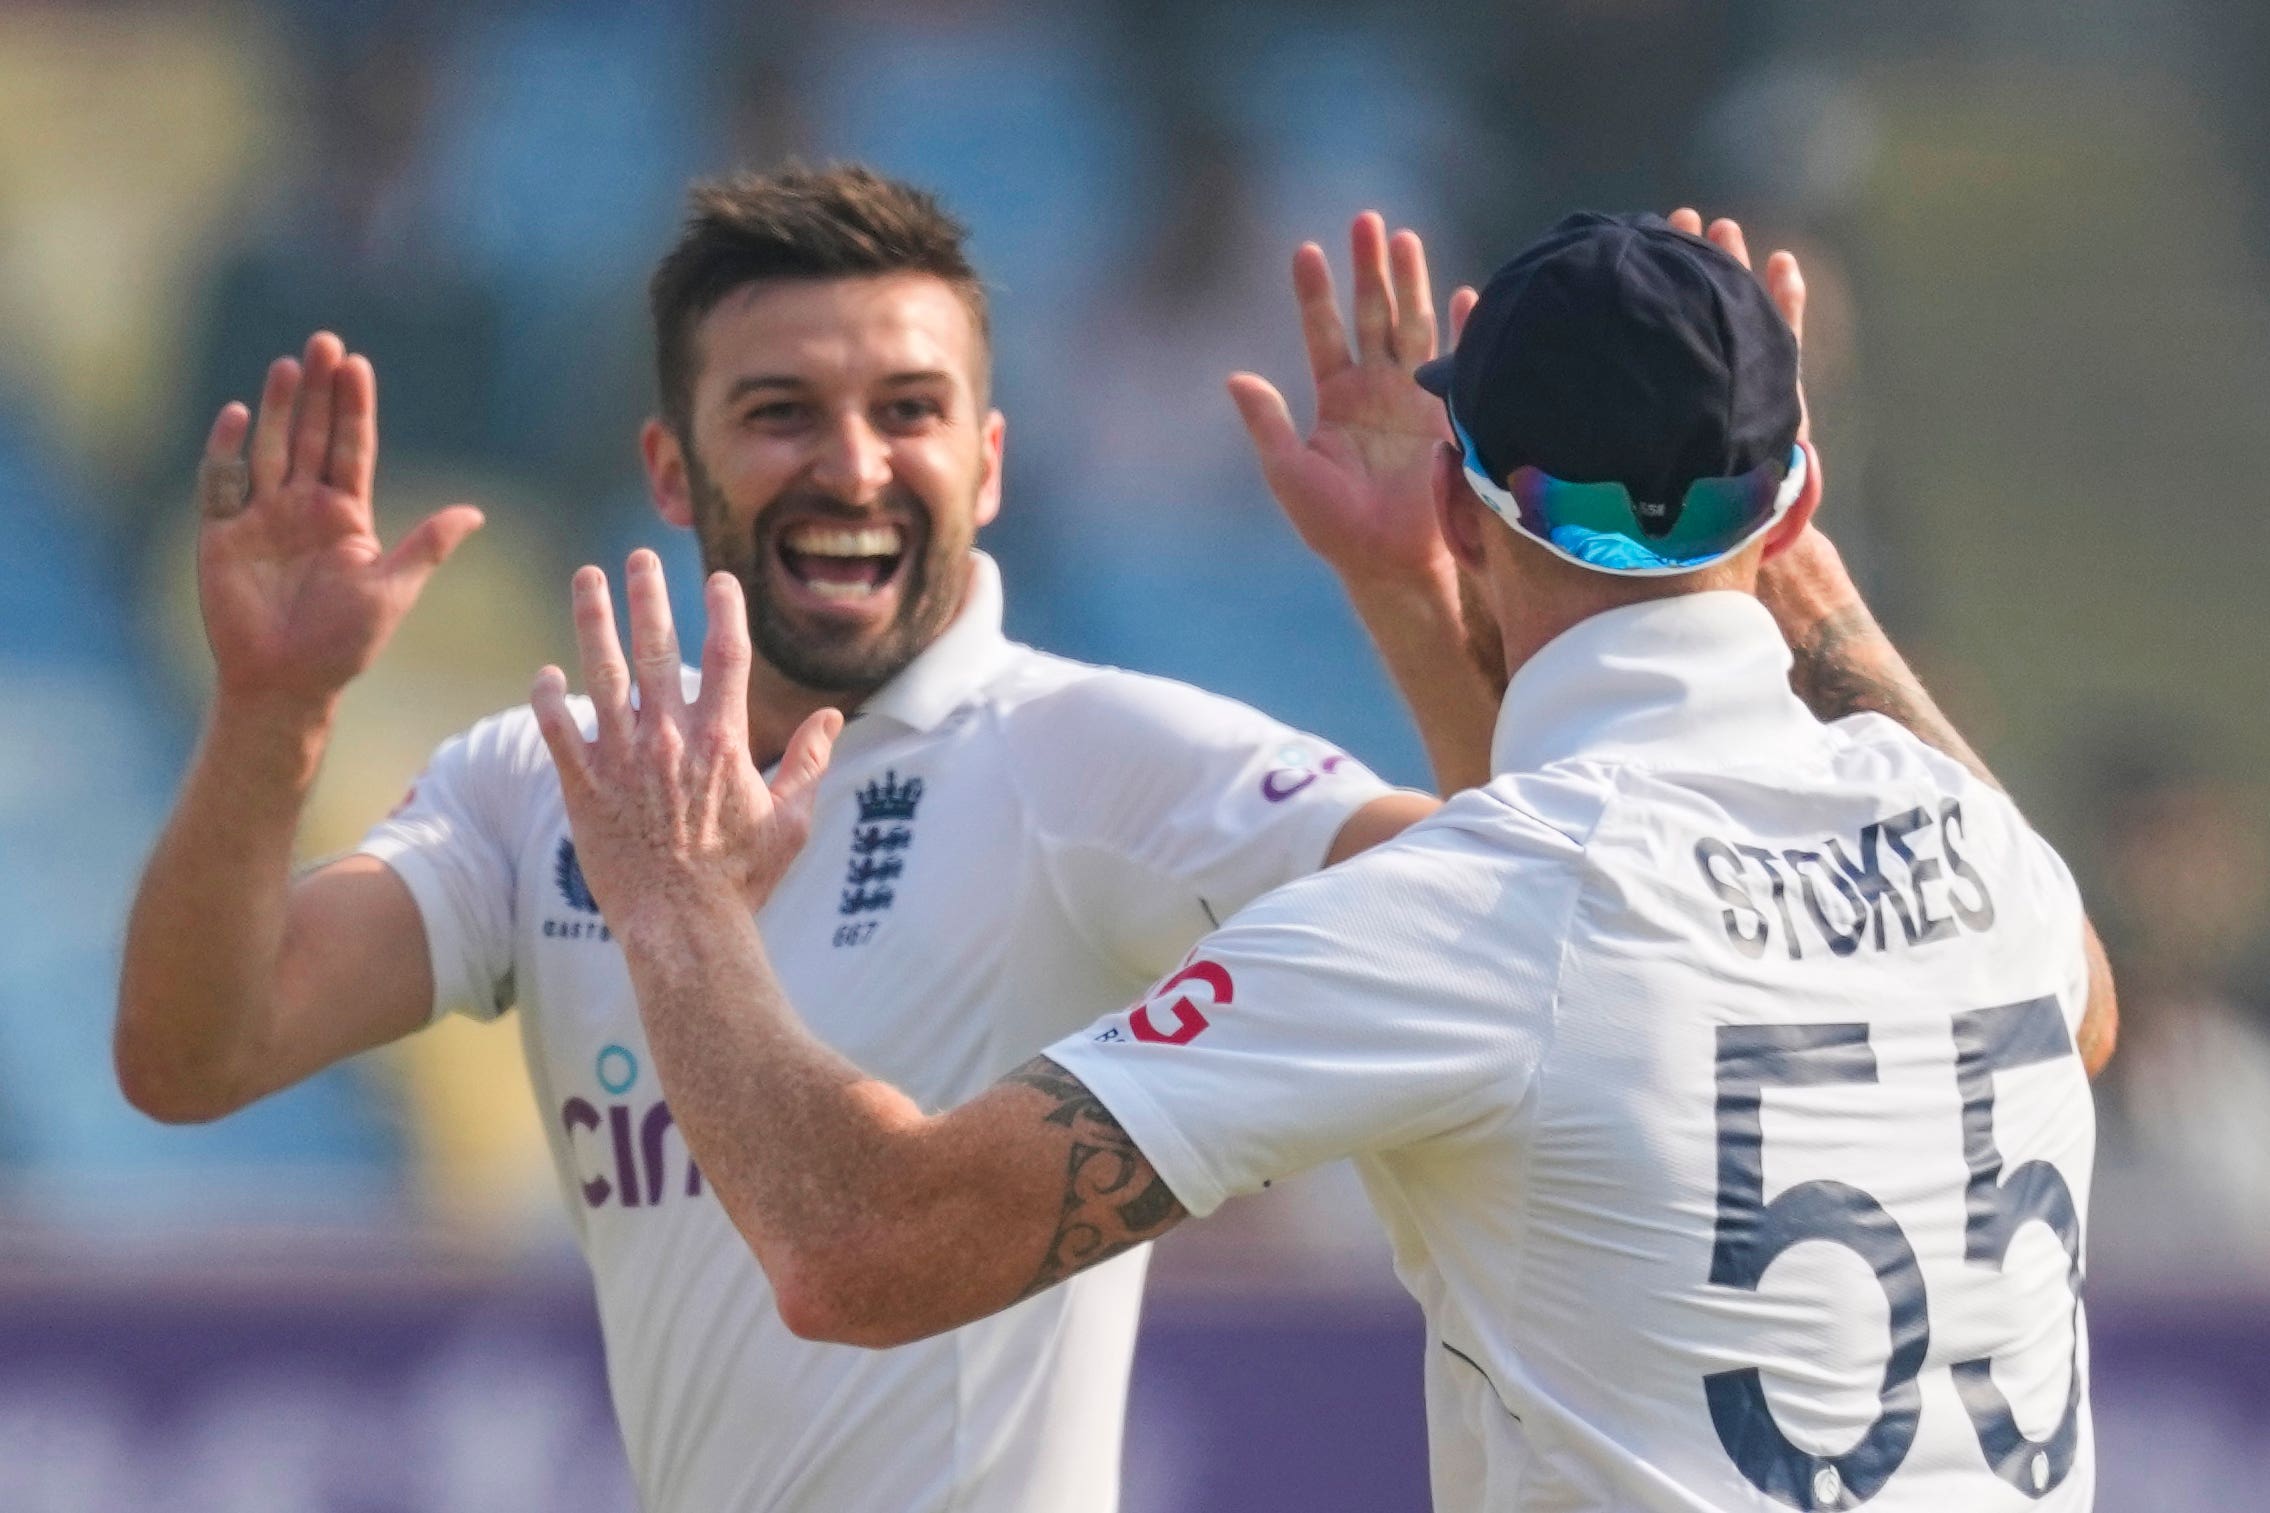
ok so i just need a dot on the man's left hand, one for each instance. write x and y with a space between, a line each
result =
670 816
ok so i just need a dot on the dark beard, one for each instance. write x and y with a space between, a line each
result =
1485 643
844 665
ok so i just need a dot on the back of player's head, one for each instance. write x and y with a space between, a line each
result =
1626 394
844 221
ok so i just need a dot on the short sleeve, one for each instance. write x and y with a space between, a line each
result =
452 843
1403 997
1160 810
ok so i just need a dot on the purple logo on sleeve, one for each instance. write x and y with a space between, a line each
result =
1281 783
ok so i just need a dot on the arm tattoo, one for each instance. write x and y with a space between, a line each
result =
1113 1200
1845 665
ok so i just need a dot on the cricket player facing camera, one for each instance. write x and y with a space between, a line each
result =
1719 1067
1006 845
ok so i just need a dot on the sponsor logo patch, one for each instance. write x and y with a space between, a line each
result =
1281 783
567 877
1176 1012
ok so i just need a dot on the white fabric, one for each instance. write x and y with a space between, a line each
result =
1515 1016
1075 830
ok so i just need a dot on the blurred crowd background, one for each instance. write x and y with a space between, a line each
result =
2038 238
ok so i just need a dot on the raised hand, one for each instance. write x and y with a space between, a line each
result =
299 595
1810 560
669 811
1360 488
1784 281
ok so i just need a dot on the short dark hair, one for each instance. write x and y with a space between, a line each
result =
843 221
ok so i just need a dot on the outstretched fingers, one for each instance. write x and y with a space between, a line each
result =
272 432
311 431
655 659
796 782
222 474
1785 282
428 544
1268 419
1416 337
606 678
1726 234
1785 285
1375 296
723 705
571 753
1321 330
1462 303
352 459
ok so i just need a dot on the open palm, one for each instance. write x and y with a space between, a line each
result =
298 593
1359 490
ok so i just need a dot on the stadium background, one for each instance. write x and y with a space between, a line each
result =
2036 232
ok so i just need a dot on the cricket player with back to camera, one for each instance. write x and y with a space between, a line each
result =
1006 846
1719 1068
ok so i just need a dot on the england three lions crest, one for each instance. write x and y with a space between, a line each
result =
879 841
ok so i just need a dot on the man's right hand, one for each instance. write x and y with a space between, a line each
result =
237 981
1360 489
298 594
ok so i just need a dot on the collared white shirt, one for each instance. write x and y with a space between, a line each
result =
1713 1072
1006 845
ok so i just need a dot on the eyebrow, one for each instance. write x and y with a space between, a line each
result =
754 383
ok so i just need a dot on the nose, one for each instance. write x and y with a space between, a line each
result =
853 462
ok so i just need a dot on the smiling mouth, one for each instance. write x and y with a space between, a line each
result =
846 564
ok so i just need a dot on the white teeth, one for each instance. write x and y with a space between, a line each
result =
827 589
838 541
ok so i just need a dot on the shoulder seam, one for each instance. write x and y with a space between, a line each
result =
1577 868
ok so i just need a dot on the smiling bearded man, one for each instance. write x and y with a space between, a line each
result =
1007 846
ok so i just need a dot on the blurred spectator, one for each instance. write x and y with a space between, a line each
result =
559 144
2186 1142
1597 100
126 131
1014 115
338 235
1167 552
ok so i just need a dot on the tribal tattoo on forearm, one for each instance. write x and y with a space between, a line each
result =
1846 665
1113 1200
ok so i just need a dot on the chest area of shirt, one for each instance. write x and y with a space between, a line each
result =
911 882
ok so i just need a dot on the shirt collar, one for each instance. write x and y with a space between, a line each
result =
1703 677
951 668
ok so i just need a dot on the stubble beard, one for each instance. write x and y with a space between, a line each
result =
842 664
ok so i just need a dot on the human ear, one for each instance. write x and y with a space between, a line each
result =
666 473
989 480
1792 524
1458 511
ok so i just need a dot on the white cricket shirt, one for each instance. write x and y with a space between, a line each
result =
1713 1071
1006 845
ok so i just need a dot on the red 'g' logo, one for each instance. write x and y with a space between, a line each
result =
1189 1019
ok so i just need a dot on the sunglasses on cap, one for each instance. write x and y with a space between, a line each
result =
1600 525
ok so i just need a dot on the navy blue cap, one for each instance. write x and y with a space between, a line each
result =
1615 349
